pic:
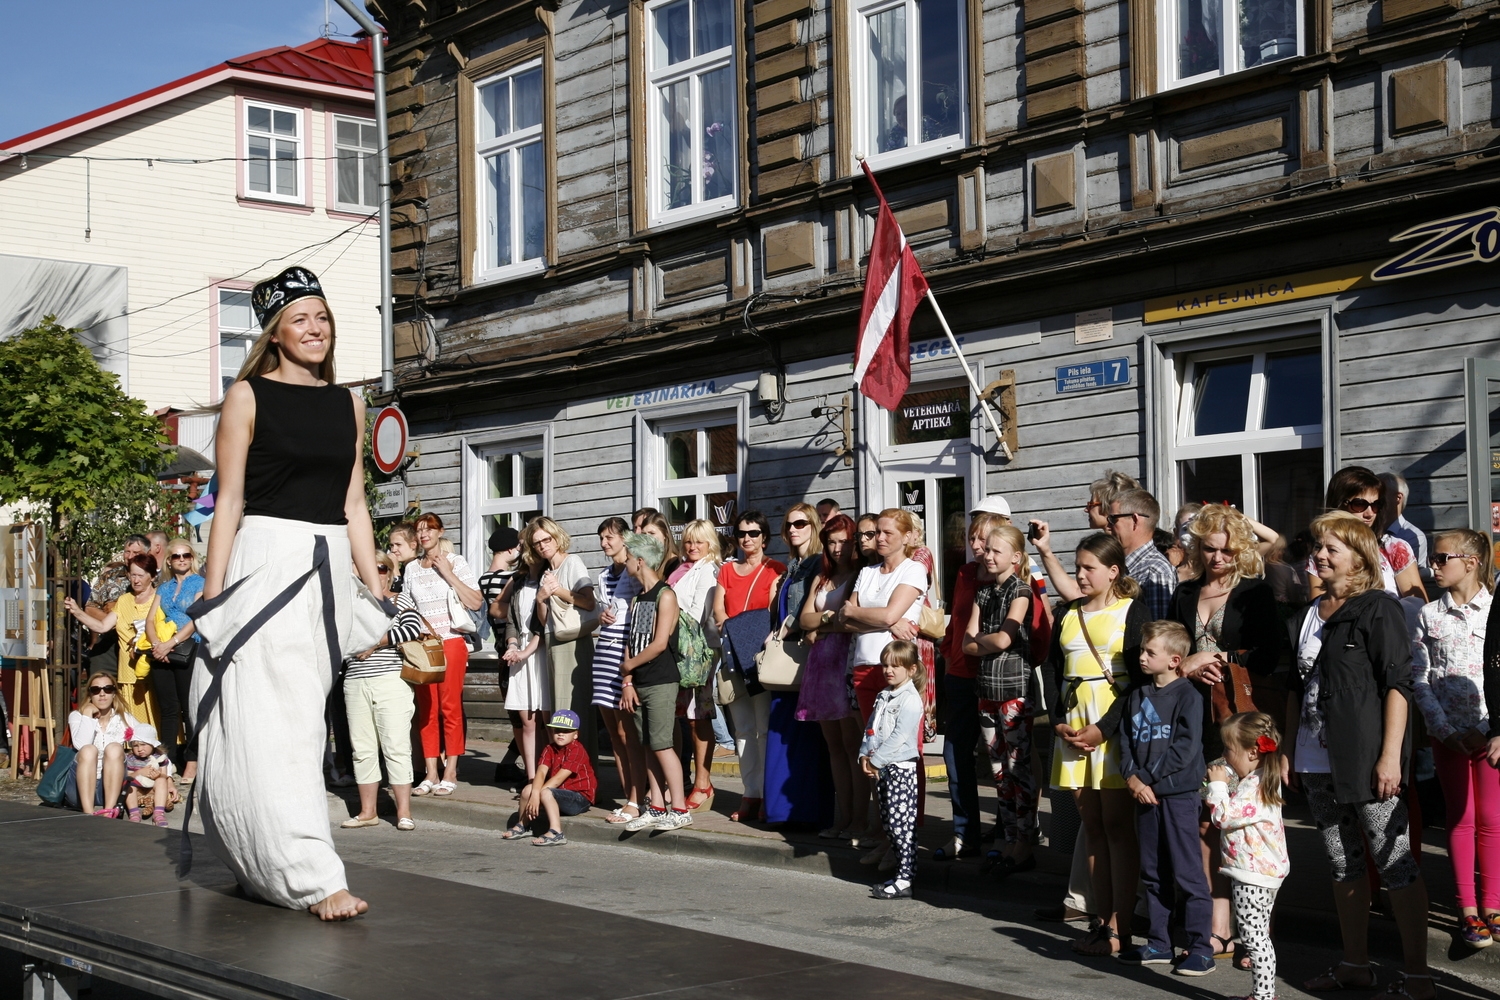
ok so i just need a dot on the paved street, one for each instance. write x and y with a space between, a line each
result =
990 942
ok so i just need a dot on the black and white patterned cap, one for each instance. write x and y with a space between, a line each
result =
275 294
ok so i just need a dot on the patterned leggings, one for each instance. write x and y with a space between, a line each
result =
1252 913
1384 823
897 786
1006 729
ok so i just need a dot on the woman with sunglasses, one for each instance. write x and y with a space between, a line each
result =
795 790
174 653
1229 612
1447 662
132 611
98 731
741 604
1358 491
867 529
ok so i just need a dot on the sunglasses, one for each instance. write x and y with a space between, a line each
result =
382 569
101 689
1440 559
182 555
799 525
867 535
1114 519
1358 505
753 533
1089 507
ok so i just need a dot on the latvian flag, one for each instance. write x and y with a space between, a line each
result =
894 286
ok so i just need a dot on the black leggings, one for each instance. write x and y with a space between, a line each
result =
171 684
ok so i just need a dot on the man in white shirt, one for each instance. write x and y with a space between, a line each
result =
1397 491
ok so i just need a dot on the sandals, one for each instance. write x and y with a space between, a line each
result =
750 809
1397 989
425 788
703 804
406 824
445 788
518 832
552 838
1224 947
1329 982
620 817
1100 942
955 850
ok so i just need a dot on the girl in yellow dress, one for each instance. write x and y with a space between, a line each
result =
128 619
1095 659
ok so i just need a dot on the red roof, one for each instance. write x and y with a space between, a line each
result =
321 64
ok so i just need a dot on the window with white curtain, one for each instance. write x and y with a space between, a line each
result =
691 109
237 333
356 146
273 152
1204 39
909 80
510 147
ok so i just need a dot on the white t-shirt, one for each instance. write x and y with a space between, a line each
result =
430 591
86 731
1312 754
875 589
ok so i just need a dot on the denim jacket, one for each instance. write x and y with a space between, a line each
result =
895 726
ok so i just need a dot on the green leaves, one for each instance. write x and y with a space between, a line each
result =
72 436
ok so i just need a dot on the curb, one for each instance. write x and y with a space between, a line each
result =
731 769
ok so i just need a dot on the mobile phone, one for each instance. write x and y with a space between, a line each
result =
1033 532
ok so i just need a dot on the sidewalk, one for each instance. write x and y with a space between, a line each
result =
1304 906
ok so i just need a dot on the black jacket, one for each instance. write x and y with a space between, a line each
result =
1251 624
1136 617
1492 671
1366 654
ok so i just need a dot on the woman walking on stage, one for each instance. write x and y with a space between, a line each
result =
279 602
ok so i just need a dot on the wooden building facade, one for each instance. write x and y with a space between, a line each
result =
630 240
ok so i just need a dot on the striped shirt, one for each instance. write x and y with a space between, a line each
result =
405 627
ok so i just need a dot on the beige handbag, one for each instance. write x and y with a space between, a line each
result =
778 665
422 659
930 622
729 687
564 620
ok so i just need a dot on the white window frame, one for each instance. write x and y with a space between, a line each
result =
1229 43
863 141
652 424
1253 441
300 197
219 331
484 148
358 208
691 69
475 502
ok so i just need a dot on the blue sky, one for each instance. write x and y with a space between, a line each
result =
65 57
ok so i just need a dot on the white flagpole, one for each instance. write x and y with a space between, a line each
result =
969 372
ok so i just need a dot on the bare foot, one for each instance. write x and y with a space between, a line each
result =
342 905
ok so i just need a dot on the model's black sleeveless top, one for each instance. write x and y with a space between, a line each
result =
302 452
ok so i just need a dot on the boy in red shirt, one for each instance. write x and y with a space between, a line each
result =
564 783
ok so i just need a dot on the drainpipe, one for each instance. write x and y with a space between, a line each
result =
377 57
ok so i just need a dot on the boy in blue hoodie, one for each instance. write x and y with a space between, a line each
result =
1161 759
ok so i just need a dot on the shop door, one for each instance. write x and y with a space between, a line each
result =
1482 386
940 502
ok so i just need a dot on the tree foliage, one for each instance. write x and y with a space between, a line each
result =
136 507
70 438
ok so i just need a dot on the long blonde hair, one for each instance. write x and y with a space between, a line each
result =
1214 519
264 356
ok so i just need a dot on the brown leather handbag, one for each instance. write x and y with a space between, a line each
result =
1234 693
422 659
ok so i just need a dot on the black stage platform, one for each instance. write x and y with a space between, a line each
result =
102 898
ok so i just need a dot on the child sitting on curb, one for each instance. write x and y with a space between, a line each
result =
147 770
564 784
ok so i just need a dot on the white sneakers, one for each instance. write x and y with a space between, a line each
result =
659 819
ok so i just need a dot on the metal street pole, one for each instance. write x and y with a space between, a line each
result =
387 332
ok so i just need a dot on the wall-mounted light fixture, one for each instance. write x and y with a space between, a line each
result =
844 412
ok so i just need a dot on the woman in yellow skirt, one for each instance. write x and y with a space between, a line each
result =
1095 659
128 619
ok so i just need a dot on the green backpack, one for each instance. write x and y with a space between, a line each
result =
695 657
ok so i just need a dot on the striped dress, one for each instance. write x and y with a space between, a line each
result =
617 587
